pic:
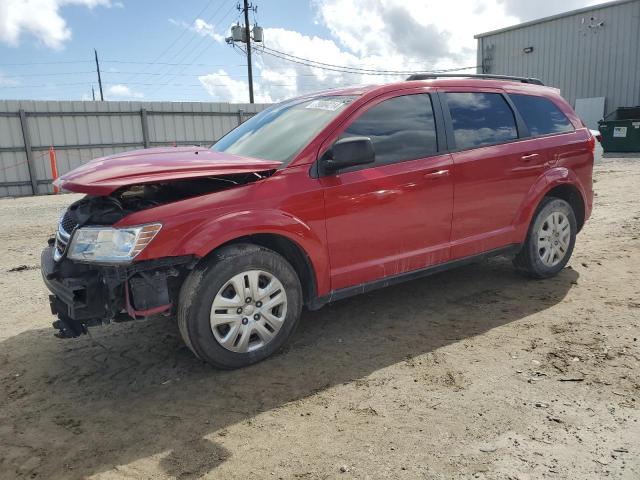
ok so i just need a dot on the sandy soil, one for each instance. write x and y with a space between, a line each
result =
474 373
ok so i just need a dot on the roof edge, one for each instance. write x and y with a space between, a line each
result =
554 17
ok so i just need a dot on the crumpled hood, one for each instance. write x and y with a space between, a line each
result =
104 175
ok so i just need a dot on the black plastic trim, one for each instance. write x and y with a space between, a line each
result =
404 277
88 292
523 130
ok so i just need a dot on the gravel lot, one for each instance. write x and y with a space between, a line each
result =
474 373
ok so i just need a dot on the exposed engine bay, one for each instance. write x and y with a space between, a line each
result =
86 294
110 209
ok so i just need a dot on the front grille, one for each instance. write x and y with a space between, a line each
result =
65 229
68 223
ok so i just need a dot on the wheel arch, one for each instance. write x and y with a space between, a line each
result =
559 182
290 250
570 194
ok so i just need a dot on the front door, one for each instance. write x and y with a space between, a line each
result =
392 216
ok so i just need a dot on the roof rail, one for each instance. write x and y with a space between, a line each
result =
430 76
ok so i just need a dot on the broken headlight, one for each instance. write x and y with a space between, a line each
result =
110 244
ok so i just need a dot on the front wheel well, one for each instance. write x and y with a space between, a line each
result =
573 197
291 251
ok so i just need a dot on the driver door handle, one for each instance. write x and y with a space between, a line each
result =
531 156
437 174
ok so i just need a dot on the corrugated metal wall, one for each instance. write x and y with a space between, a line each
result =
574 54
81 131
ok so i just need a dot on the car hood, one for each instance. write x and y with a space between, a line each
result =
104 175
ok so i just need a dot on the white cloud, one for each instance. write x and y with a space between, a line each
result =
421 35
6 81
40 18
201 27
378 35
526 11
122 92
223 88
207 30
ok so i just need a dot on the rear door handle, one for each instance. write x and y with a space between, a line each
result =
528 158
437 174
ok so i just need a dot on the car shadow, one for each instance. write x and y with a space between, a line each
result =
133 391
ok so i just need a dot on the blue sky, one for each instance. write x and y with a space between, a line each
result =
136 39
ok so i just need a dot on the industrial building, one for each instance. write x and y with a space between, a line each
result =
591 54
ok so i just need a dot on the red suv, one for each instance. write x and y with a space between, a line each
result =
316 199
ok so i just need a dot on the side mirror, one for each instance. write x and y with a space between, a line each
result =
348 152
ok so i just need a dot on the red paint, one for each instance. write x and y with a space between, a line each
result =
104 175
363 225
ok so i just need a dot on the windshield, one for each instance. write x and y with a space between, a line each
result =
281 131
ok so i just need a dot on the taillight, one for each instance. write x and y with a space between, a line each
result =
592 143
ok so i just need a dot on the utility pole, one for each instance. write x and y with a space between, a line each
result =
248 39
245 35
93 93
99 79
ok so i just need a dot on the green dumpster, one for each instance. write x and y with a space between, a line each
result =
621 130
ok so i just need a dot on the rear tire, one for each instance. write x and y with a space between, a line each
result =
239 306
550 240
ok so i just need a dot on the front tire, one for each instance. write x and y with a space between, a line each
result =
239 306
550 240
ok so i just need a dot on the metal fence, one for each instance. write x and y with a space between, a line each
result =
81 131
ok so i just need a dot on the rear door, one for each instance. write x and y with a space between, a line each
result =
393 216
546 122
495 165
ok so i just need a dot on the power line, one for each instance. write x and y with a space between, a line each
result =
137 73
347 69
182 33
184 30
177 54
195 75
48 74
339 70
45 63
170 71
174 64
46 85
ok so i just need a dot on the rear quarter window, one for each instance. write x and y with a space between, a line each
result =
541 115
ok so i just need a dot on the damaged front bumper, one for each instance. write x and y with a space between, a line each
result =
84 295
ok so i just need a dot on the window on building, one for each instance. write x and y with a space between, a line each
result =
401 128
541 115
480 119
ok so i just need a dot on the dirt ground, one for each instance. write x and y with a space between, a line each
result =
474 373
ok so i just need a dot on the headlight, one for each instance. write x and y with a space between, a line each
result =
111 245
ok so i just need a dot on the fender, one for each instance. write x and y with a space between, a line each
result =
217 231
546 182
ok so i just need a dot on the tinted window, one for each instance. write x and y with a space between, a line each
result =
541 115
281 131
480 119
401 128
